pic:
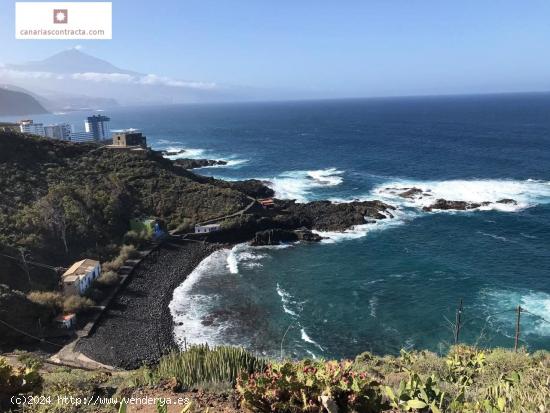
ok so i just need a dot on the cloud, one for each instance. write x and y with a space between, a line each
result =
119 78
149 80
166 81
103 77
18 74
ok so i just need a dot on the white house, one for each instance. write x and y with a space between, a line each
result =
80 276
205 229
66 320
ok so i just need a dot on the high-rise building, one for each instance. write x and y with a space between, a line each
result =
60 131
98 126
81 137
28 126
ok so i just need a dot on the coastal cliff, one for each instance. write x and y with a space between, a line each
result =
64 201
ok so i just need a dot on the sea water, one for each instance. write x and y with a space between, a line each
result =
392 284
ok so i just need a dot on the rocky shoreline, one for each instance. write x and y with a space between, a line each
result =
138 328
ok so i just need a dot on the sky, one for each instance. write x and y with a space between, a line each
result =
322 48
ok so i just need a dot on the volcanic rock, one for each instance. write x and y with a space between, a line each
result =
197 163
411 192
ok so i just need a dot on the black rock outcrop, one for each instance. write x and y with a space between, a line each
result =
197 163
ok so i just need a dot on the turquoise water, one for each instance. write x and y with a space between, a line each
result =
390 285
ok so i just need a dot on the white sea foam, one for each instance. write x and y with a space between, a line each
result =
397 218
189 307
494 236
308 339
186 153
299 185
287 301
181 152
502 303
245 255
230 163
311 353
373 305
526 193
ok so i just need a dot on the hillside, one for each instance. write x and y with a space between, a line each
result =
96 191
14 103
62 201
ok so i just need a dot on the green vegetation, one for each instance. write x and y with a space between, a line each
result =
126 252
62 201
308 386
467 380
203 366
56 302
18 380
107 279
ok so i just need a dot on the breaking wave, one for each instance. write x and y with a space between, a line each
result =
299 185
189 306
502 304
525 194
309 340
179 152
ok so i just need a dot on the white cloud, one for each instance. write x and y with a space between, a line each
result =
166 81
18 74
120 78
103 77
151 80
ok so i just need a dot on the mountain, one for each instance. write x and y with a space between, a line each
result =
15 103
70 61
73 73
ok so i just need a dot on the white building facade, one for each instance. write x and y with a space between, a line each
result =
80 276
60 131
205 229
28 126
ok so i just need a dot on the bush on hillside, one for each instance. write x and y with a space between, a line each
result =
17 380
50 299
107 279
205 366
77 304
126 252
186 226
310 386
136 238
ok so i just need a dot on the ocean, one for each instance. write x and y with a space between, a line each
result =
385 286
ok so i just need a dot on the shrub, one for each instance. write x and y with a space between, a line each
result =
309 386
108 279
417 394
95 294
136 237
126 252
187 225
17 380
77 304
201 365
51 299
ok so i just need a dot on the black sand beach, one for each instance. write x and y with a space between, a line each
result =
137 327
